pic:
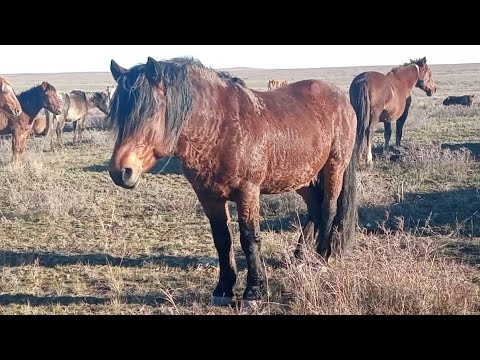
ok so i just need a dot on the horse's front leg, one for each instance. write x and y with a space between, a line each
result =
401 121
248 205
217 213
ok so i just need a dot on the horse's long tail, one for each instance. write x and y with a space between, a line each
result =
361 104
345 221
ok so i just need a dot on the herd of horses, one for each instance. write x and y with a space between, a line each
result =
236 143
21 115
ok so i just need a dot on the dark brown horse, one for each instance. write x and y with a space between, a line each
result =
235 144
387 98
8 99
31 101
464 100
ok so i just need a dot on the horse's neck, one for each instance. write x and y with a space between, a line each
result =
90 103
31 105
408 76
203 128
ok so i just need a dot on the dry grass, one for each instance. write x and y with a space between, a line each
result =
394 274
73 243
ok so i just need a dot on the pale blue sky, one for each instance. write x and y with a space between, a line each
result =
79 58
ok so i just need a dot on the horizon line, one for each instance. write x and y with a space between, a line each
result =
245 67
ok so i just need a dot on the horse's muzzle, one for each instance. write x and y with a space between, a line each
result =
14 111
125 178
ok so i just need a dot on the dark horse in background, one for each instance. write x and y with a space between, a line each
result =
74 107
387 98
31 101
235 144
465 100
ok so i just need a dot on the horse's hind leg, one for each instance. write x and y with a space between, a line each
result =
369 132
217 212
388 136
81 127
401 121
313 198
333 180
75 132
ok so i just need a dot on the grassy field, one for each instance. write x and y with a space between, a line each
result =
73 243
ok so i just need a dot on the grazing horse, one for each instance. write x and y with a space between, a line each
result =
8 99
387 98
275 84
31 101
236 144
465 100
74 107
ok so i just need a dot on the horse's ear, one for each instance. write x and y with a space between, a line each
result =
151 70
424 61
44 85
116 70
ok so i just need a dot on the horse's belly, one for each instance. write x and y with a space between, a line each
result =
291 177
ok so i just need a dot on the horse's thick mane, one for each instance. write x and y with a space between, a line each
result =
418 62
27 94
135 103
29 98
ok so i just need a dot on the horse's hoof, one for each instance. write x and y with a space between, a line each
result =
250 304
222 301
252 297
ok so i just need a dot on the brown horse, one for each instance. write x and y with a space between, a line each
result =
387 98
235 144
8 99
275 84
31 101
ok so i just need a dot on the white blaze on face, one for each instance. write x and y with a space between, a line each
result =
7 88
418 70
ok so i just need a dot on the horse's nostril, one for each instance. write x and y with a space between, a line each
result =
127 174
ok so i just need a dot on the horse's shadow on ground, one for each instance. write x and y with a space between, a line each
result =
167 166
454 213
474 148
66 300
50 260
395 153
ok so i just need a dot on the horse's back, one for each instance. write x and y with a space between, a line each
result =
77 105
372 80
306 122
308 92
